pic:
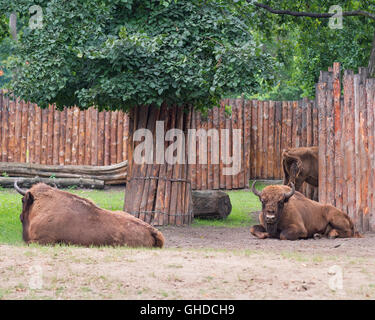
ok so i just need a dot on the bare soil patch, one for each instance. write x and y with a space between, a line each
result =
240 238
197 263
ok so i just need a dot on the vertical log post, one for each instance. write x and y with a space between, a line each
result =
160 192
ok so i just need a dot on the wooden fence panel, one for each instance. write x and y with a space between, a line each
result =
56 138
228 150
68 140
247 141
346 144
81 139
277 172
241 147
89 137
4 129
370 214
75 136
210 176
254 138
270 153
216 143
62 137
17 130
101 137
221 145
321 100
2 112
107 138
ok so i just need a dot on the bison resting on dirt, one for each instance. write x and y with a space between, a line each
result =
300 165
289 215
52 216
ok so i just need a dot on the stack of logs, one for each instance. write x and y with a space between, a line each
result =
63 176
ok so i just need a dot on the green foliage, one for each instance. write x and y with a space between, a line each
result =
5 50
4 30
305 46
121 53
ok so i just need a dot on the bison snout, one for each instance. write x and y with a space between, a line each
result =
270 217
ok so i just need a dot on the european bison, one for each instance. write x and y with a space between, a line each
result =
301 165
288 215
52 216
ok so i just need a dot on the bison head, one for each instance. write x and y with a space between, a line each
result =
27 201
273 199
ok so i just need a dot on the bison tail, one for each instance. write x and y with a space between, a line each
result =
159 238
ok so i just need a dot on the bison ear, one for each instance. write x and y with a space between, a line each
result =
28 199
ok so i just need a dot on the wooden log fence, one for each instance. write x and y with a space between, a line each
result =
267 127
88 137
346 143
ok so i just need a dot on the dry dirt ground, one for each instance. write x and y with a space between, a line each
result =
197 263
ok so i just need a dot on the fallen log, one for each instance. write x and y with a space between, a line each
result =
113 174
8 182
211 204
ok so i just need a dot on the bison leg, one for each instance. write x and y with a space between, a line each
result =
293 232
259 231
340 223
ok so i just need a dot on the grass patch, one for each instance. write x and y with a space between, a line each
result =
243 202
10 210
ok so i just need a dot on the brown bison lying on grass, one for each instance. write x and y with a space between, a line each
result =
289 215
52 216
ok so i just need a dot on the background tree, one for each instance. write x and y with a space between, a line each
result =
316 45
5 50
298 35
151 58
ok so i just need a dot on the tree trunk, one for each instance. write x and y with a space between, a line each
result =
159 192
371 63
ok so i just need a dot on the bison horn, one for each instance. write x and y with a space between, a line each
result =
19 190
255 191
289 194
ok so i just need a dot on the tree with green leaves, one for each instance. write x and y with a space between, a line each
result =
128 54
4 50
298 34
